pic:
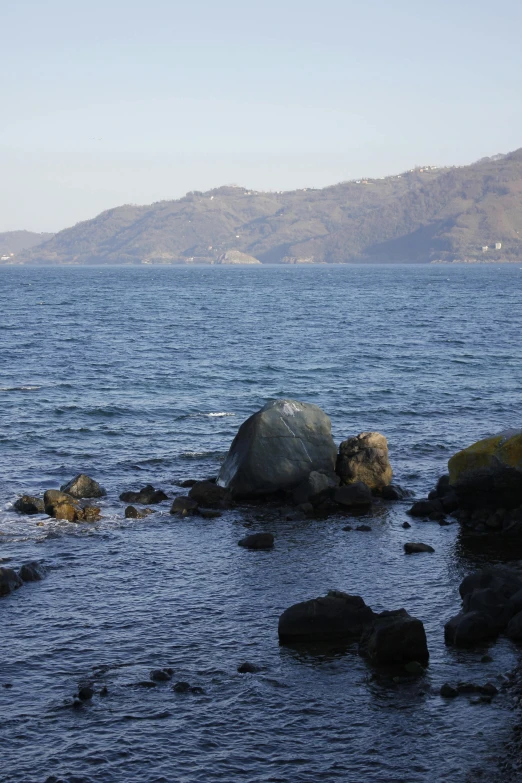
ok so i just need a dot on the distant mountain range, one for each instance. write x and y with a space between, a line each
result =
468 213
12 242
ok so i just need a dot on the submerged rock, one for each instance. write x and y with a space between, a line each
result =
336 616
28 504
9 581
364 457
161 675
32 572
277 448
82 486
257 541
134 513
413 548
147 495
248 668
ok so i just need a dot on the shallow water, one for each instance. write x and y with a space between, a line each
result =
144 375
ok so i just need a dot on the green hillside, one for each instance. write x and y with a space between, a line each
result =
427 214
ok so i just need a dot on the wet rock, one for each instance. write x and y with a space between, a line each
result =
184 505
448 691
85 693
406 525
28 504
104 691
197 690
181 687
306 508
364 458
209 495
248 668
486 659
89 514
146 496
161 675
423 508
315 487
355 496
32 572
489 472
134 513
187 483
393 492
467 629
415 668
336 616
363 528
514 628
347 528
437 516
413 548
60 505
277 448
9 581
257 541
209 513
394 637
146 684
82 486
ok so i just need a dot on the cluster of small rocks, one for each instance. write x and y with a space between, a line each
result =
11 580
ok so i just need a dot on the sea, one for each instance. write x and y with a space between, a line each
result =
139 375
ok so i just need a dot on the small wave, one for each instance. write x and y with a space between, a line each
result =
201 454
221 413
19 388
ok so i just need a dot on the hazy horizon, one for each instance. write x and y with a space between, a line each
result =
118 103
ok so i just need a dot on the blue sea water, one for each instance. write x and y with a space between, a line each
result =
138 375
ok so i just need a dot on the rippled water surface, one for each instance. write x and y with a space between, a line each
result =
138 375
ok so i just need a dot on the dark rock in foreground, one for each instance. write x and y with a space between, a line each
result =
277 448
413 548
492 598
146 496
257 541
337 616
82 486
28 504
365 458
394 637
9 581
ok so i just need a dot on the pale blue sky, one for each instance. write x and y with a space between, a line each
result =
115 101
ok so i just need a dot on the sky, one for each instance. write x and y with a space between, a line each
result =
108 102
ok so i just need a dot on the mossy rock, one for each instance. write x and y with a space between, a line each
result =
489 473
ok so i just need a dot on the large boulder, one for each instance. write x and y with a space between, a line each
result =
336 616
277 448
394 637
489 473
9 581
365 458
82 486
